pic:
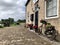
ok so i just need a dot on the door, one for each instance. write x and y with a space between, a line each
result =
36 18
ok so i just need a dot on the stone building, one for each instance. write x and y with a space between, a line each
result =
48 10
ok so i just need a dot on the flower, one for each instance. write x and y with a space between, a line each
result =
35 26
30 25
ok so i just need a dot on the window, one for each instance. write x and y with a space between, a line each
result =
28 16
36 7
51 8
34 1
32 17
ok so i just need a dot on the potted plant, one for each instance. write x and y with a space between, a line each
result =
36 28
43 22
30 26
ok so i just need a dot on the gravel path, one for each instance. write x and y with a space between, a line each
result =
18 35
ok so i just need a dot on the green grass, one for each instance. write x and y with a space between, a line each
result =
14 24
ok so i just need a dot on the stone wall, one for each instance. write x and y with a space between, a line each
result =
41 11
28 12
56 21
53 21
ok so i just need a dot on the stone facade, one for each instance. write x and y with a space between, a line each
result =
29 12
41 13
56 21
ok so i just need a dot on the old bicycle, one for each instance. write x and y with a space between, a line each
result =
49 30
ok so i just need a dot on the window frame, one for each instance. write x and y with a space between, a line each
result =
50 17
34 1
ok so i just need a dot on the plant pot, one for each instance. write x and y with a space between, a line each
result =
36 30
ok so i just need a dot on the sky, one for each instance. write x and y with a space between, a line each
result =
13 9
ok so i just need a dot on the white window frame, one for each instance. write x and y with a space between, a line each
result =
34 1
57 11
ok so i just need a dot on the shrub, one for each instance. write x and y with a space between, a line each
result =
17 23
1 25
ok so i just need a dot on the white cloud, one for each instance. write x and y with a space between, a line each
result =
12 8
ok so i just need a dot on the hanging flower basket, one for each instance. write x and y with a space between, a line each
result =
43 22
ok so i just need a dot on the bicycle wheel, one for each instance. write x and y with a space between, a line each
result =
51 34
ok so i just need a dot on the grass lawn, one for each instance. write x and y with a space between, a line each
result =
14 24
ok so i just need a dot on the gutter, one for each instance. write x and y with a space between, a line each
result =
27 2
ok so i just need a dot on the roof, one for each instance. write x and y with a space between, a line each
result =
27 2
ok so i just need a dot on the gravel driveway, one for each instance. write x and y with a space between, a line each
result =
18 35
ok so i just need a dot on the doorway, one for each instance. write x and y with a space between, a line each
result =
36 20
32 18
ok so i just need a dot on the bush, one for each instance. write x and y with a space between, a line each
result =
1 25
17 23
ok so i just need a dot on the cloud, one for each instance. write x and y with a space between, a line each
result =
12 8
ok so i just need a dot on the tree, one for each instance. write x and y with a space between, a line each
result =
20 21
7 22
2 21
11 20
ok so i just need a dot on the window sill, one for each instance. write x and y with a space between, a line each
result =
52 17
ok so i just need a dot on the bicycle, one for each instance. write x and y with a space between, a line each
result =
50 32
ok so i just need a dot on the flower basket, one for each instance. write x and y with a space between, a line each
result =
49 26
35 27
30 25
43 21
